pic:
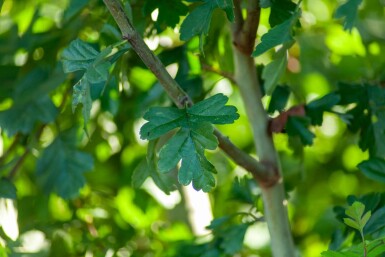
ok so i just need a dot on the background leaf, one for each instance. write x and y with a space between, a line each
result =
61 166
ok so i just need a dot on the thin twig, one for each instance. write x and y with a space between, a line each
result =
224 74
176 93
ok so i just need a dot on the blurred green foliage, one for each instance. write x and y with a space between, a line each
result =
114 210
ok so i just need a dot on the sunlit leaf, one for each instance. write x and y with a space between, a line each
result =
356 217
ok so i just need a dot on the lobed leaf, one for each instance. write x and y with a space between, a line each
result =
298 126
169 12
348 11
61 166
194 136
316 108
278 35
22 118
198 21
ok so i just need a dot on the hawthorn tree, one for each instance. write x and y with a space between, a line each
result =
264 105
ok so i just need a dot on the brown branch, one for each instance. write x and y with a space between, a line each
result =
245 30
176 93
224 74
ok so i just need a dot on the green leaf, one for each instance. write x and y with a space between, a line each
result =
374 168
169 12
279 99
148 168
161 120
61 166
281 10
298 126
278 35
188 145
198 21
194 136
81 56
274 70
348 11
22 118
82 95
357 219
233 238
316 108
242 190
331 253
376 221
7 189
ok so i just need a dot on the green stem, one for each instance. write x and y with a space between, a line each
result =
245 74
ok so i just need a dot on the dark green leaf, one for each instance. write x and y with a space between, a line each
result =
213 110
281 10
161 120
188 145
81 56
61 166
279 99
233 238
298 126
274 71
78 56
169 11
316 108
373 168
348 11
73 9
23 118
265 3
278 35
82 95
242 190
376 221
7 189
198 21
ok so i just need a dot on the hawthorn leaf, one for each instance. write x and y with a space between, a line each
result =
198 21
61 166
279 99
82 95
78 56
316 108
81 56
298 126
194 136
331 253
274 70
7 189
374 168
169 12
281 11
233 238
213 110
188 145
22 118
356 217
278 35
160 121
348 11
